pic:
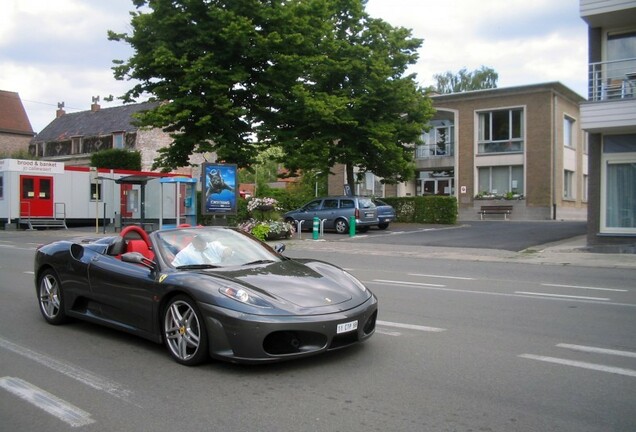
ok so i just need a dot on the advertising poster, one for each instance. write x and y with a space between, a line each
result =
220 189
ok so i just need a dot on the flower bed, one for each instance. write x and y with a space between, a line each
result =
265 223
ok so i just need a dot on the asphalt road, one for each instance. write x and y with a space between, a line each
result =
460 346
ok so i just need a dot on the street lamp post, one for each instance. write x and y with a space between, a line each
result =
316 176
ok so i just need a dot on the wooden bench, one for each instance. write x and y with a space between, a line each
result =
495 209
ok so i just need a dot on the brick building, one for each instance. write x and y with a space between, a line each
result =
522 145
15 128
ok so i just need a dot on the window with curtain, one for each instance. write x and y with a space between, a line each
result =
618 180
568 183
500 180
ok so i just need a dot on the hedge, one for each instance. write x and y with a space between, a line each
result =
424 209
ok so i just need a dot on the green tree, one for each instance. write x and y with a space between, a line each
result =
318 78
203 57
117 159
349 99
479 79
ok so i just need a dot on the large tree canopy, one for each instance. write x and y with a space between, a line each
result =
318 78
479 79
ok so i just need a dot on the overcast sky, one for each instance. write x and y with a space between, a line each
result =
58 51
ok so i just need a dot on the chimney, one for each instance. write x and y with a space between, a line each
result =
60 110
95 106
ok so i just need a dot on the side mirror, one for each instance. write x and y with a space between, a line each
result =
137 258
279 248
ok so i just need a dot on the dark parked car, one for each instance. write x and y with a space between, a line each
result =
205 291
386 213
336 211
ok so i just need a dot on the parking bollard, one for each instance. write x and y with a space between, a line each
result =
352 226
316 230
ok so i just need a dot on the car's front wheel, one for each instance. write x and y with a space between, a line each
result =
184 331
50 298
341 226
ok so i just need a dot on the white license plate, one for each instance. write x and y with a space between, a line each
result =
347 327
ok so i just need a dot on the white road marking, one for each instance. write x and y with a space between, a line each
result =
584 365
79 374
53 405
387 333
441 277
583 287
562 296
502 294
597 350
410 326
31 272
407 283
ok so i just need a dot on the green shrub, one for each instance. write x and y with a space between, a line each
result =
117 159
425 209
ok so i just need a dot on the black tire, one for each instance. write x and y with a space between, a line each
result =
363 229
383 226
51 298
184 332
341 226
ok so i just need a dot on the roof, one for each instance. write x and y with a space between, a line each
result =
104 121
503 91
13 117
135 179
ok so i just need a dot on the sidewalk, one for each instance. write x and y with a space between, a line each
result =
571 252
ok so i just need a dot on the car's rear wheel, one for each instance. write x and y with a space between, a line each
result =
363 229
51 298
184 331
341 226
383 226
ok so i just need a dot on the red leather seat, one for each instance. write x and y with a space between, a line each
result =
140 246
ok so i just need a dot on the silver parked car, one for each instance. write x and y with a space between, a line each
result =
386 213
336 211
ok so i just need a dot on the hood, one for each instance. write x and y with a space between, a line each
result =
306 285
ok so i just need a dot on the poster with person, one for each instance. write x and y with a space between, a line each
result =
219 189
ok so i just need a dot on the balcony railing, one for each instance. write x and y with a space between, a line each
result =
428 151
612 80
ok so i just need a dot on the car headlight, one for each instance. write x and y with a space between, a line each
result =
355 281
242 295
237 294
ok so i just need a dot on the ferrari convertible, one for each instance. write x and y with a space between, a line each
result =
205 292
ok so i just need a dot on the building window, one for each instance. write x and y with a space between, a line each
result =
438 141
568 183
501 180
501 131
568 132
76 145
96 191
118 140
618 184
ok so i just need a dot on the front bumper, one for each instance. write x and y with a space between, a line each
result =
244 338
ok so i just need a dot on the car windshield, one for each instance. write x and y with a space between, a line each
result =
211 247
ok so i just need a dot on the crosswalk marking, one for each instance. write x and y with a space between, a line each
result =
53 405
